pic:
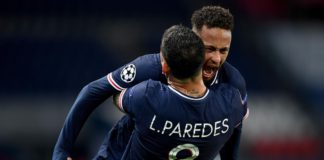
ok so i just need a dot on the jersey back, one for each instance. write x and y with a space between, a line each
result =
171 125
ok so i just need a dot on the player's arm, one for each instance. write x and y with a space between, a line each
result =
230 150
129 99
93 94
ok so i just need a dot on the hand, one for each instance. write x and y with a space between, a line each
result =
69 158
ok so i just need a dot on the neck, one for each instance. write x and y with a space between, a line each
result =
193 87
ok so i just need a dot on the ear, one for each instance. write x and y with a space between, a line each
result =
165 68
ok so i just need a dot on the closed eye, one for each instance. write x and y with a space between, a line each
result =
210 49
223 50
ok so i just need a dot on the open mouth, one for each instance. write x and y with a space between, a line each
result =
209 72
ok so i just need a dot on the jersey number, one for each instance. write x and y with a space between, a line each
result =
194 152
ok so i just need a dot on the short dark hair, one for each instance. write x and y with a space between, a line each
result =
212 16
183 51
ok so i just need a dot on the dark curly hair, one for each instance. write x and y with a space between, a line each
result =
212 16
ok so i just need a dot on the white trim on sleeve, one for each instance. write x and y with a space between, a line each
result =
120 100
113 83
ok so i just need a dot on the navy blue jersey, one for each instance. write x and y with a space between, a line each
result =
169 124
149 67
141 69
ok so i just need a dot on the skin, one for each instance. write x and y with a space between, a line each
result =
217 43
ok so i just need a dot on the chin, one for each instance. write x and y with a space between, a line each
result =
207 79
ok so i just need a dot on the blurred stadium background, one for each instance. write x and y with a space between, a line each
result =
50 49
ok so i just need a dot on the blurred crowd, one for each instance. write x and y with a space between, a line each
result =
50 49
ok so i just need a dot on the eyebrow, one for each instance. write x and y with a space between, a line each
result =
215 48
224 48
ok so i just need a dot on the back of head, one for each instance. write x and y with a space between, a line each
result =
183 51
212 17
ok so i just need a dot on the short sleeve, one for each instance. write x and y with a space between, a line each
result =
240 110
236 79
133 100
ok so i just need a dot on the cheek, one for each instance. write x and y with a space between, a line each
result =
207 56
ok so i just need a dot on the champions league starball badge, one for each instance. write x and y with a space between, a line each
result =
128 73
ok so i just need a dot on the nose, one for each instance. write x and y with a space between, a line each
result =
216 57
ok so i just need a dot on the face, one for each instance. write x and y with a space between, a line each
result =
217 43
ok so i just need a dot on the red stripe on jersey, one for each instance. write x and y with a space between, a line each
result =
120 100
113 83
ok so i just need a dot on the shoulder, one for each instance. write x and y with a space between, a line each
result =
232 74
154 87
226 94
231 99
227 91
229 74
148 93
148 87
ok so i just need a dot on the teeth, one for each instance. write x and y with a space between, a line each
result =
208 71
207 68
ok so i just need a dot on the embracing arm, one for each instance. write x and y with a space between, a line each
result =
91 96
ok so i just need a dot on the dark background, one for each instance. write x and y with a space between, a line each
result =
50 49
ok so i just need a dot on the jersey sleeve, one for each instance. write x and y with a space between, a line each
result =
141 69
133 100
240 110
236 79
230 151
91 96
96 92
